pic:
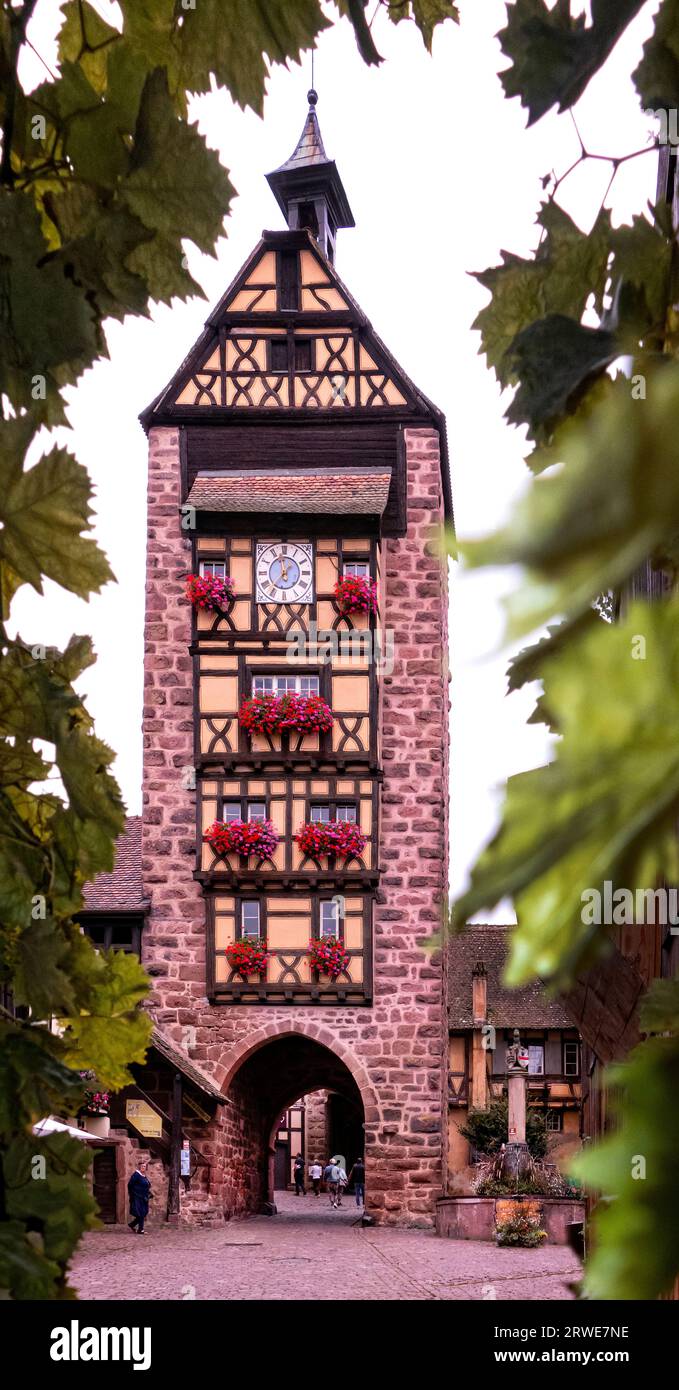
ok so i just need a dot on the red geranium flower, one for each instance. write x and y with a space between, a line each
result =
331 837
356 594
208 591
242 837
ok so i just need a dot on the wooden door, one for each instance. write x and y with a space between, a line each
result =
281 1167
104 1183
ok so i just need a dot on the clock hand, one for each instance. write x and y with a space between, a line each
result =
284 569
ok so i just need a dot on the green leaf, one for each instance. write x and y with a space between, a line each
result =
87 39
43 513
604 809
228 40
642 255
24 1272
60 1209
426 14
635 1252
47 327
554 53
34 1079
569 266
555 359
657 76
588 526
177 188
113 1031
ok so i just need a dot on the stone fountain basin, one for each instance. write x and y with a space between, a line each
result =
474 1218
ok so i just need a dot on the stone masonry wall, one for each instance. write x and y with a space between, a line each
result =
395 1049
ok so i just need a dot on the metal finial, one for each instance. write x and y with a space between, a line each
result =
312 97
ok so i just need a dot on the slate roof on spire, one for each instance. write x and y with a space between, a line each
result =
308 171
309 148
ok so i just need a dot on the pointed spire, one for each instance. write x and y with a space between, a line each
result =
308 188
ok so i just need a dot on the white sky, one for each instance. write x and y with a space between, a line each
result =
441 174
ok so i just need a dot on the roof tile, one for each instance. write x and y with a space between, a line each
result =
121 890
306 491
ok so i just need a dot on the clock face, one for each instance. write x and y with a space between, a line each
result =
285 572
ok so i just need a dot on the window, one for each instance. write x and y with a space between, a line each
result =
279 354
554 1120
536 1059
213 569
288 281
285 685
357 569
231 810
571 1059
303 354
115 933
330 922
249 921
257 810
330 812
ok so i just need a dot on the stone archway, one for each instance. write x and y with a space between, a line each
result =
265 1075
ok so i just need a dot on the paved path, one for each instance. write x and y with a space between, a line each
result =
311 1252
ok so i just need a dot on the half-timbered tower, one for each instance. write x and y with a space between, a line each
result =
303 715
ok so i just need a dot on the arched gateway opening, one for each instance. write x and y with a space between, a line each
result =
262 1085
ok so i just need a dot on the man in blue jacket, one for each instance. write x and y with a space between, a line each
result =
139 1189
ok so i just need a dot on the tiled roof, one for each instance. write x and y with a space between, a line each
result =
293 490
120 891
528 1007
179 1060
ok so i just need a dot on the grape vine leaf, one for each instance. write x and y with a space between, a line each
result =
604 809
569 266
554 54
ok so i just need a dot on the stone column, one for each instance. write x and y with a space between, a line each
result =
479 1077
516 1161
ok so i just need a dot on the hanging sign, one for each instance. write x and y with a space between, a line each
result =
145 1119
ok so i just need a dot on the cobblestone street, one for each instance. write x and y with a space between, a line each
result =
309 1251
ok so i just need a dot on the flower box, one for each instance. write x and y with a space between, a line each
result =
328 956
342 838
272 714
356 594
247 958
242 837
96 1102
209 592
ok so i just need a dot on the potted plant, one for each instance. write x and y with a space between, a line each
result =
342 838
247 957
210 592
356 594
328 956
95 1110
272 714
244 837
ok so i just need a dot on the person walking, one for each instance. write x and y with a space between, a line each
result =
357 1176
139 1189
316 1173
298 1175
331 1174
342 1181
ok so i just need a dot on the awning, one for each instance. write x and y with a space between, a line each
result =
50 1126
307 491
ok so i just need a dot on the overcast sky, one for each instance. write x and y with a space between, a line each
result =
441 174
